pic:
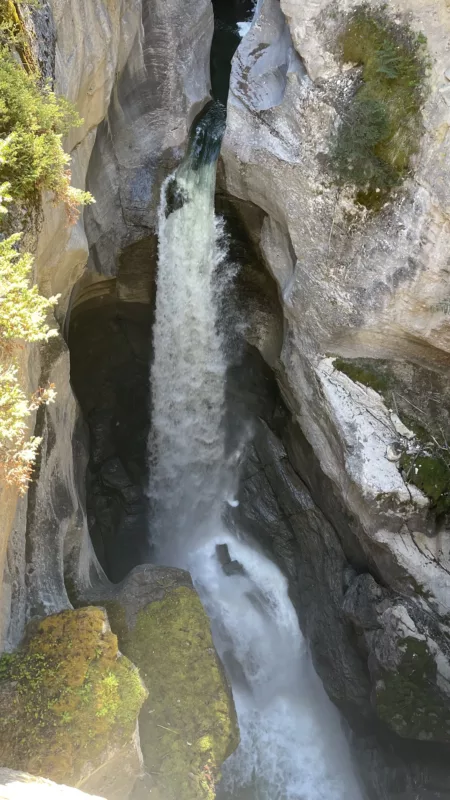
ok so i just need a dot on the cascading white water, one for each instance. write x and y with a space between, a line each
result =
292 746
188 373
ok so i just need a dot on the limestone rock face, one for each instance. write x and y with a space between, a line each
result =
164 84
353 283
116 62
370 288
20 786
188 724
69 705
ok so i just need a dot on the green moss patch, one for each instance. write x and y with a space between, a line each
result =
359 371
408 699
67 697
12 31
188 725
431 474
381 127
426 461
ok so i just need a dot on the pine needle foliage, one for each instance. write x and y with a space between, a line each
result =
33 121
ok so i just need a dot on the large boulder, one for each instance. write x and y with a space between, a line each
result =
69 703
188 724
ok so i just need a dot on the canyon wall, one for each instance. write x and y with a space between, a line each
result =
326 483
114 63
364 359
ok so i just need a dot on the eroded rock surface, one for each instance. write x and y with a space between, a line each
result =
137 100
357 284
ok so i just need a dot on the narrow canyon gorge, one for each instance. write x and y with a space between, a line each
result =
229 574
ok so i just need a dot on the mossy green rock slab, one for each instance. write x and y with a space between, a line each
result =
188 724
69 701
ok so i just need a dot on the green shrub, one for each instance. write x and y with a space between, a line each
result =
33 121
381 127
23 311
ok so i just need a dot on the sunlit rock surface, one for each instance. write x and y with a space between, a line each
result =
69 705
356 285
20 786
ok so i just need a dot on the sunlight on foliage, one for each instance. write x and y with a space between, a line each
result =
33 121
23 311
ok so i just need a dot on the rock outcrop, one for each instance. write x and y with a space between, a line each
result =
366 441
69 705
188 724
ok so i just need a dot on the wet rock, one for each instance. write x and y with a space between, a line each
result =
229 567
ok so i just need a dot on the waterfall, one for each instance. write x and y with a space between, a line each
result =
188 372
292 746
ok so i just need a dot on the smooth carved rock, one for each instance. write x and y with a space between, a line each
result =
351 283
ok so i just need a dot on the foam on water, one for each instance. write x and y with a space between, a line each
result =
292 746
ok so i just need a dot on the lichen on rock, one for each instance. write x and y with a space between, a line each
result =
68 698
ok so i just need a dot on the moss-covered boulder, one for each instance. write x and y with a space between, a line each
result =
188 724
69 700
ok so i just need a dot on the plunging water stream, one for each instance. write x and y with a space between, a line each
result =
292 746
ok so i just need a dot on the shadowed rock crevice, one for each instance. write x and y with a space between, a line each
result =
110 345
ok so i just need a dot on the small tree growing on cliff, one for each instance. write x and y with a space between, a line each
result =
33 121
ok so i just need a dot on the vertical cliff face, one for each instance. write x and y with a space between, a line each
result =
363 369
137 100
345 376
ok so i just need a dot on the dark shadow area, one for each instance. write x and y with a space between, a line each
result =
227 15
109 339
110 349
